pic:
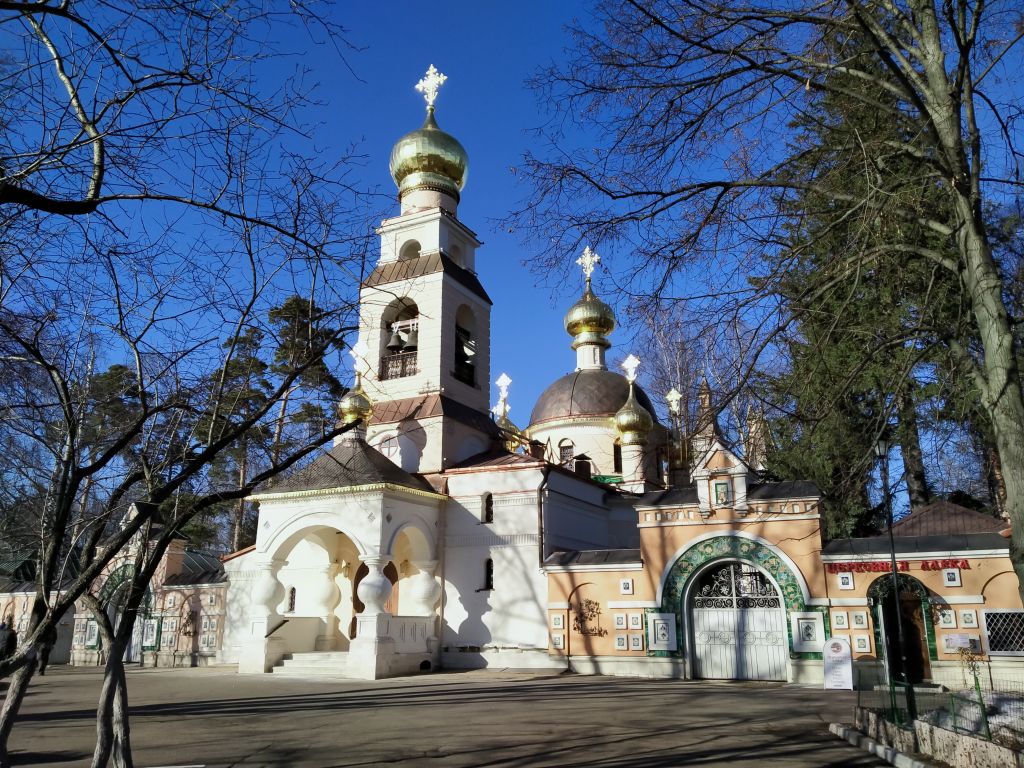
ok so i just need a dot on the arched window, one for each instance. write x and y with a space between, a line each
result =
565 453
291 600
409 250
488 575
399 339
617 458
488 512
465 346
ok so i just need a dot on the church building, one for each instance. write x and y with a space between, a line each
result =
437 534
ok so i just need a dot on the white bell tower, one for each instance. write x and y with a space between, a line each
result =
424 316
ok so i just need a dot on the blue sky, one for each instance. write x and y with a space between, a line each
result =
487 50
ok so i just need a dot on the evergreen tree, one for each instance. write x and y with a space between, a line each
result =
240 390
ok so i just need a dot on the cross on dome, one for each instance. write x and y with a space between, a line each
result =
503 382
502 409
588 261
630 364
673 398
430 85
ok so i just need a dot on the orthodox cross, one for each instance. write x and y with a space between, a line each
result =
501 409
588 261
430 84
673 398
631 363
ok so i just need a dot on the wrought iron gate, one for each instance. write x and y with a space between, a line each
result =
739 629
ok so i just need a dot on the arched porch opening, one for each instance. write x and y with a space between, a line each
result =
315 588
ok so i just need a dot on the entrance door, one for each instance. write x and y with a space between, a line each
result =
739 628
914 638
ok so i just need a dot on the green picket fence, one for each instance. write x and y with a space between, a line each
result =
992 710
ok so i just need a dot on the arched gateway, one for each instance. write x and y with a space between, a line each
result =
731 596
737 624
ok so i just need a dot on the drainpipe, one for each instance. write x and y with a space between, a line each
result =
541 517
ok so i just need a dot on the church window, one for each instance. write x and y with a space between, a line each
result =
409 250
565 453
291 601
488 575
617 458
488 515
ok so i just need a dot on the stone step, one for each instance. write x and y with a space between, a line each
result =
313 663
317 656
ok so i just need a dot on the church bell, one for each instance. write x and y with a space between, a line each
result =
395 342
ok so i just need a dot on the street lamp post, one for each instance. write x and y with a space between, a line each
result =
882 452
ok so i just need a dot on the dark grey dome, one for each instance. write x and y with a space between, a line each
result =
586 393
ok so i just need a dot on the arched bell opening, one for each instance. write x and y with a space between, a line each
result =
399 339
465 362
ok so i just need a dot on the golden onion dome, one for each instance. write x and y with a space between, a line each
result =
633 421
355 405
589 320
429 158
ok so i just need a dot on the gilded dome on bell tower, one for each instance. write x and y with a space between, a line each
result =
428 158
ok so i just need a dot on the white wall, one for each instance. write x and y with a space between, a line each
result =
240 572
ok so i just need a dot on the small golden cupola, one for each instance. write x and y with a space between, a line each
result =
589 320
355 406
428 159
633 422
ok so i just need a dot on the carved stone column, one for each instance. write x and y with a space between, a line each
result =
375 588
423 587
371 653
326 595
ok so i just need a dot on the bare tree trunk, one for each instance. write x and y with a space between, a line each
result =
112 728
913 457
122 747
104 711
12 703
19 683
994 479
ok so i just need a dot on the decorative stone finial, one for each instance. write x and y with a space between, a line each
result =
630 364
588 261
673 397
358 352
430 85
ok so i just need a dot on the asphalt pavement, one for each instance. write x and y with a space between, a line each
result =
216 717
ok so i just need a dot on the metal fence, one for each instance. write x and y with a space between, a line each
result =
990 708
